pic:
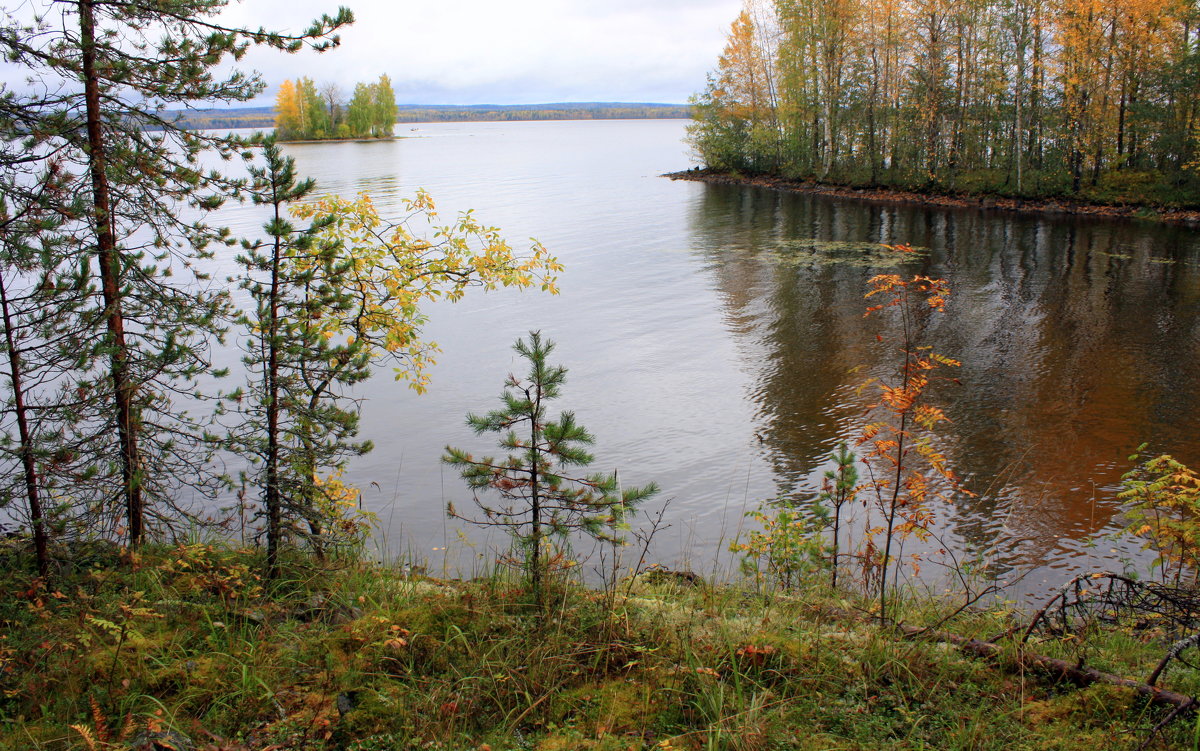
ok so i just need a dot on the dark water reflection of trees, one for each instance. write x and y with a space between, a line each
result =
1078 340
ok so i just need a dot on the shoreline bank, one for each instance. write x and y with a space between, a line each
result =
186 646
1043 206
363 139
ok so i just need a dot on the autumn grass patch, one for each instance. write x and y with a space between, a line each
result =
190 643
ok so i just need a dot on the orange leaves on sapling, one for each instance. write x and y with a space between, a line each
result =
908 473
928 416
899 398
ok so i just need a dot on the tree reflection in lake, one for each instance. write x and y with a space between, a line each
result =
1078 340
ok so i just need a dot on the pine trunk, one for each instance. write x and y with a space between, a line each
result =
28 467
110 282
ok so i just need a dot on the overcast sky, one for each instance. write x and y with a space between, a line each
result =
515 52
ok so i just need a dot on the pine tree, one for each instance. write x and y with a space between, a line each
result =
290 429
39 294
120 65
839 488
541 500
331 299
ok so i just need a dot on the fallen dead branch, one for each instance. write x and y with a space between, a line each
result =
1118 601
1056 668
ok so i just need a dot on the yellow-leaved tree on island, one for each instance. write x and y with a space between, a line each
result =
289 122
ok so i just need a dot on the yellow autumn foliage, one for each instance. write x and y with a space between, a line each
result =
394 270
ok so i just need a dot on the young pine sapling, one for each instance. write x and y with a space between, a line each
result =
540 498
839 487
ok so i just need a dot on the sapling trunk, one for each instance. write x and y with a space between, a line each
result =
271 495
906 410
844 479
894 504
535 502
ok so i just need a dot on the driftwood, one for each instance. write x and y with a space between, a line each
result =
1058 669
1111 600
1173 654
1115 600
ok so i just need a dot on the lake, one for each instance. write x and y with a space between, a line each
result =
716 342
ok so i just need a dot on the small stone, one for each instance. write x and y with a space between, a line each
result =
255 616
161 740
346 701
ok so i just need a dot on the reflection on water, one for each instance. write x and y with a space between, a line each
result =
716 340
1078 341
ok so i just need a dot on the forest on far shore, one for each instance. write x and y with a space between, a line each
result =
1029 98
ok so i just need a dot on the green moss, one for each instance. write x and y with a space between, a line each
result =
812 252
357 657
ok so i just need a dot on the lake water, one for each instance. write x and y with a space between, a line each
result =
716 342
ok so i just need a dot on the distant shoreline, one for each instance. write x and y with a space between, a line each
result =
1044 206
363 139
264 117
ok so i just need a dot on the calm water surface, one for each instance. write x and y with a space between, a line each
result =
716 342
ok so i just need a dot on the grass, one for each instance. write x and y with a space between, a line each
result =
190 641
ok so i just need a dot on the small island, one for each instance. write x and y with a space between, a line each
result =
306 112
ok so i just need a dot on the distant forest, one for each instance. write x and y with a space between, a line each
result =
264 117
1030 98
565 111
